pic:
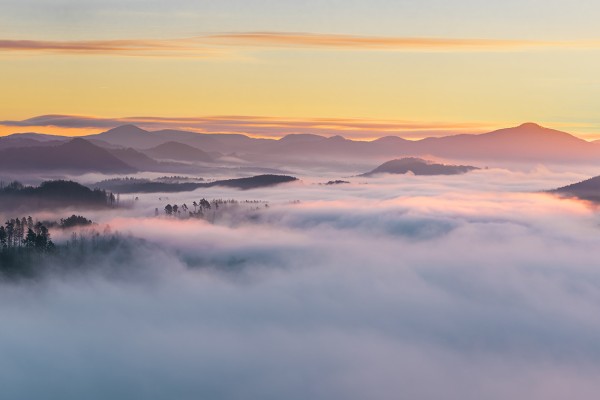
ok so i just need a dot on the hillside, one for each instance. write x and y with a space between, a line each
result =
74 156
52 194
179 152
146 186
585 190
419 166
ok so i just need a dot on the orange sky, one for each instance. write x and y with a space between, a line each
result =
460 69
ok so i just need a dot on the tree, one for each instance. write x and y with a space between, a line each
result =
74 220
30 239
42 241
18 233
37 228
169 209
204 204
2 237
23 229
10 230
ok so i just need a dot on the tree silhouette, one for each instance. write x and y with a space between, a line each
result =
3 236
10 230
30 238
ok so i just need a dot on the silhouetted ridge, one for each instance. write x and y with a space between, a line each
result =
586 190
180 152
77 155
129 185
53 194
419 166
128 129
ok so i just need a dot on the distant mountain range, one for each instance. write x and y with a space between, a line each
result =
170 150
418 166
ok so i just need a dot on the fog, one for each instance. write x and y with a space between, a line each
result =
463 287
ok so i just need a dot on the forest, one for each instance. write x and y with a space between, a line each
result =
27 248
54 194
204 208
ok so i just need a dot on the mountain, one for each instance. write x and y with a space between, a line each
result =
30 139
180 152
586 190
529 143
137 138
296 138
38 137
76 155
127 136
419 166
136 159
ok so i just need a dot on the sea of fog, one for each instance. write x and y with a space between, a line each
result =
479 286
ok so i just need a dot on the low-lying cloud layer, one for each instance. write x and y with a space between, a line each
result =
428 289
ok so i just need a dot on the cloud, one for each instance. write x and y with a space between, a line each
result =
123 47
352 42
259 126
462 287
219 45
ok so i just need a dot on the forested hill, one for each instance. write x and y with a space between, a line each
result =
53 194
141 186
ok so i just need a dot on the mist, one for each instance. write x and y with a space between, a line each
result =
474 286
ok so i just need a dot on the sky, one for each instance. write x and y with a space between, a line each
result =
428 67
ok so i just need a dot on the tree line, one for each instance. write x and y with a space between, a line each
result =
201 207
55 193
23 232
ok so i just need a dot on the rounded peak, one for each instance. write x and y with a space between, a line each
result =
128 128
80 141
301 137
337 138
530 125
389 139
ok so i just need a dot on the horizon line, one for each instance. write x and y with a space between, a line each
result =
261 127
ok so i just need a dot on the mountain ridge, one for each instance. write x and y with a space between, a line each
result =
528 142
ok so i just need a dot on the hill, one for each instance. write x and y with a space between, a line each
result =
52 194
145 186
419 166
179 152
585 190
74 156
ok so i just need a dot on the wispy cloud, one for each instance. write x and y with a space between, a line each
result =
260 126
393 43
124 47
218 45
